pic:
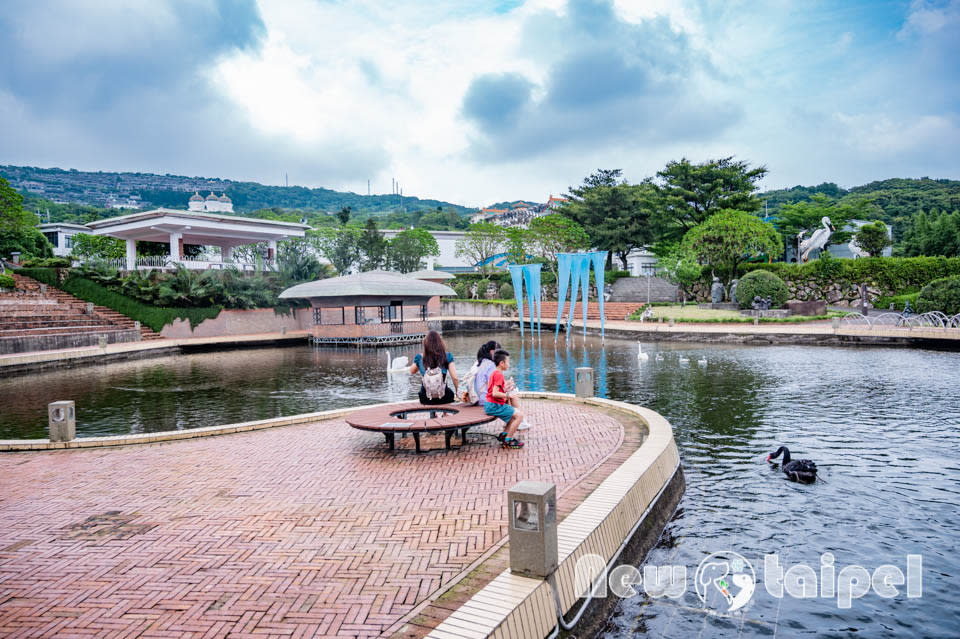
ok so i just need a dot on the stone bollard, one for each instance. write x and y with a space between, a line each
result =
583 385
283 330
756 320
660 320
89 308
62 420
43 289
835 322
671 322
103 341
533 528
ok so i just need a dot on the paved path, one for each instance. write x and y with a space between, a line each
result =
311 530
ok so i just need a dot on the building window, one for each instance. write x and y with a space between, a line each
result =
329 316
53 238
68 241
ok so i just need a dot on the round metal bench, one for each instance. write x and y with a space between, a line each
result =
417 419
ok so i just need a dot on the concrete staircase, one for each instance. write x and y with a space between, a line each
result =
613 310
634 289
35 317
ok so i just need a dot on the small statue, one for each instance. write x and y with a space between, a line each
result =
716 291
473 291
733 290
761 303
907 311
647 314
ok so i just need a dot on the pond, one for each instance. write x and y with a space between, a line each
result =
883 425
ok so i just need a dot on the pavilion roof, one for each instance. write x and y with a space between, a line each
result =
431 275
369 284
195 227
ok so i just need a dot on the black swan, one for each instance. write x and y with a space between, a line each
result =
802 470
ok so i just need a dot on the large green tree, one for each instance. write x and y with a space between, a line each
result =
339 246
98 246
372 246
873 238
691 193
481 242
408 249
728 238
555 233
615 215
933 234
13 217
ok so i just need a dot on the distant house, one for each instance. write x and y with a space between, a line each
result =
61 236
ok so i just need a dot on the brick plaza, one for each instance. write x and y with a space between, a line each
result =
300 531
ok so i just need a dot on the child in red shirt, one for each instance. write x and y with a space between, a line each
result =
496 404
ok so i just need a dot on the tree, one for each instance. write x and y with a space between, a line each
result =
481 242
555 233
12 215
517 244
728 238
681 268
98 246
691 193
933 234
296 262
339 246
409 247
344 215
372 246
615 215
873 238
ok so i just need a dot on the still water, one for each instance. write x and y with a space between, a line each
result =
882 425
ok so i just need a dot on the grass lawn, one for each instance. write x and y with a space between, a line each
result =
691 313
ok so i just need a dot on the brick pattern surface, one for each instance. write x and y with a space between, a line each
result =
312 530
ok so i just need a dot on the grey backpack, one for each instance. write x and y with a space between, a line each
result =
434 383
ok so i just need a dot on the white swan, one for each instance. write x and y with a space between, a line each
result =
659 357
640 354
684 360
398 365
702 361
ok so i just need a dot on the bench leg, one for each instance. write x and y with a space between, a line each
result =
463 436
390 441
448 434
416 438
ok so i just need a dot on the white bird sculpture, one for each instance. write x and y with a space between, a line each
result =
398 365
640 354
817 240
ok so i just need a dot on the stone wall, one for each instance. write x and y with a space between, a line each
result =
242 322
466 308
808 289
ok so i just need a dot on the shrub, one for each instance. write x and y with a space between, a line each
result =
506 291
898 301
940 295
47 262
462 289
482 286
764 284
6 281
609 277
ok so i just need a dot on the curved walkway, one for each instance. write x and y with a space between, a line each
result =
307 530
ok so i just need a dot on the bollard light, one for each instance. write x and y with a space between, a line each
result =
583 381
89 308
62 421
533 528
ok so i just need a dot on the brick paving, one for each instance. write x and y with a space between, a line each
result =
312 530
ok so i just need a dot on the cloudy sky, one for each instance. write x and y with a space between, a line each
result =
476 102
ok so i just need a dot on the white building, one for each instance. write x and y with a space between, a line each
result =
210 204
446 241
61 236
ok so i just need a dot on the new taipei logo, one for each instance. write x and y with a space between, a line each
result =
725 581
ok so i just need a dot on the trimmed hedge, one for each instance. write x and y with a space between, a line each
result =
898 301
156 317
900 274
764 284
6 281
940 295
47 262
46 276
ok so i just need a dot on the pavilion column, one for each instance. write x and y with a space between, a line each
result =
131 254
271 250
176 241
226 253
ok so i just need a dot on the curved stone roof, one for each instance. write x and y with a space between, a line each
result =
377 283
196 197
431 275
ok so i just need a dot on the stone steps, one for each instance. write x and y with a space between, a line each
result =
61 330
634 289
612 310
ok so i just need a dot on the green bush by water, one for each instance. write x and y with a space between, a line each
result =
940 295
764 284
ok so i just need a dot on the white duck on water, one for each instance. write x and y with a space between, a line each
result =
398 365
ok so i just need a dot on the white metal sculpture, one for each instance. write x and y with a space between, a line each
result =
817 240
